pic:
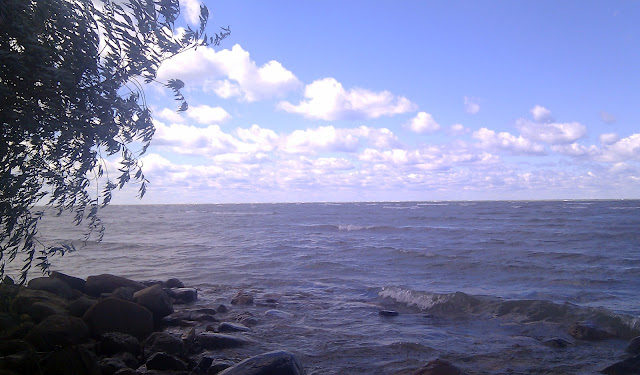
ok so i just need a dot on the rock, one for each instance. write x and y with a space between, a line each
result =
174 283
81 305
155 300
232 327
279 362
17 332
27 297
8 320
246 318
40 310
116 315
165 362
184 295
163 342
73 282
630 366
557 343
105 283
123 292
58 330
214 341
110 366
72 360
634 346
585 331
189 336
18 357
207 310
388 313
204 318
278 314
439 367
219 365
222 309
242 298
204 363
116 342
51 285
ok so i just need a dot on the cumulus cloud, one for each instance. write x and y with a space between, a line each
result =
575 149
187 139
489 139
423 123
608 138
230 73
471 105
551 132
541 114
191 11
168 115
205 114
326 99
331 139
624 149
458 129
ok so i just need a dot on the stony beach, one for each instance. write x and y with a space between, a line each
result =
110 325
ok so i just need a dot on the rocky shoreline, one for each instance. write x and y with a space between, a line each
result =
111 325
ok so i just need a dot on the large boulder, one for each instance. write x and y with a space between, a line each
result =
155 300
634 346
116 315
278 362
630 366
439 367
116 342
51 285
163 342
27 297
215 341
80 306
107 283
73 282
58 331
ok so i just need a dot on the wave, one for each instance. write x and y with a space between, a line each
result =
459 305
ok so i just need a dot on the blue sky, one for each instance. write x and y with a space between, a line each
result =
410 100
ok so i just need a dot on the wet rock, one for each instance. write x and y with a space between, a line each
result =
222 309
232 327
73 282
123 292
109 366
242 298
184 295
439 367
116 315
116 342
189 336
179 319
206 310
163 342
106 283
630 366
51 285
279 362
219 365
174 283
388 313
214 341
246 318
165 362
71 360
155 300
204 318
634 346
58 330
585 331
557 343
81 305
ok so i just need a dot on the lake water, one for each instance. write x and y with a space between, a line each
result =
481 284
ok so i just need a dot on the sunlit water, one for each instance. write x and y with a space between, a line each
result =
481 284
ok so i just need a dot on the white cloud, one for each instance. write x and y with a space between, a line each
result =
423 123
168 115
471 105
191 140
326 99
205 114
458 129
552 132
575 149
608 138
541 114
624 149
489 139
191 9
324 138
230 73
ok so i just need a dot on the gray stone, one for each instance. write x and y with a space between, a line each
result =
51 285
116 342
232 327
585 331
116 315
106 283
279 362
155 300
219 365
242 298
165 362
58 330
174 283
123 292
81 305
184 295
73 282
634 346
163 342
213 341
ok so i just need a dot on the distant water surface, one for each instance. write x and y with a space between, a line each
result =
479 283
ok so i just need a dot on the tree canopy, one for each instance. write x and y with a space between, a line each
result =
71 94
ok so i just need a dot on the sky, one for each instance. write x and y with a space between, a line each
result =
312 101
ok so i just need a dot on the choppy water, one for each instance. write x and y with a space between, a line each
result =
478 283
